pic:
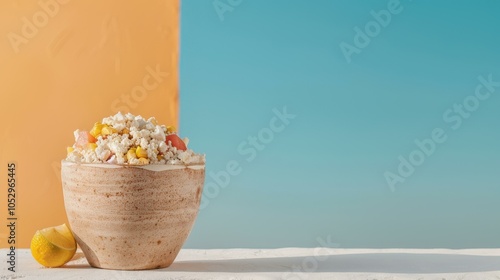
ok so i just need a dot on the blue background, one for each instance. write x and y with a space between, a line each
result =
323 175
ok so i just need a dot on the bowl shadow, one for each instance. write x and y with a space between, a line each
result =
355 263
75 262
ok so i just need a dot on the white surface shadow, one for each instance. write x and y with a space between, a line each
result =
354 263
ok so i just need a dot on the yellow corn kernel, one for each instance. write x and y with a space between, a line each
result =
96 129
108 130
159 157
125 131
69 150
171 129
143 161
131 154
141 153
91 146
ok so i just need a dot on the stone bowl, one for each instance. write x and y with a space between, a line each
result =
131 217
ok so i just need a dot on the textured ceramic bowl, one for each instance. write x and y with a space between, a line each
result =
131 218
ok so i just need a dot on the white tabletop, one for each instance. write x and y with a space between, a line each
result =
286 263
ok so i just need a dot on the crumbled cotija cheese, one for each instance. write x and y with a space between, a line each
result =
129 139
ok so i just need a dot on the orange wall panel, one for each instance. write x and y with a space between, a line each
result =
65 65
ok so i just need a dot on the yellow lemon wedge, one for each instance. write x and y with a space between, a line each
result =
53 246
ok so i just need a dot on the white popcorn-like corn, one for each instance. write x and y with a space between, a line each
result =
129 139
